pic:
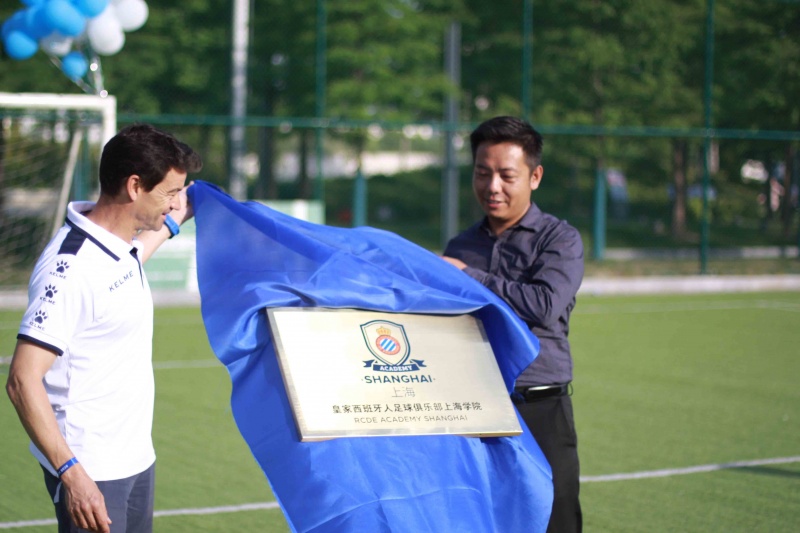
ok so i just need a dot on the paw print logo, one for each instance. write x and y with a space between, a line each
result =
40 316
61 267
50 291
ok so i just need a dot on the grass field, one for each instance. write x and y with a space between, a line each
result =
662 383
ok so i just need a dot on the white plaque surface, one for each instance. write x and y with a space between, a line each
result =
364 373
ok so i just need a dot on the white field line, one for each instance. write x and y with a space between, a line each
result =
734 305
582 308
161 365
584 479
172 321
168 512
689 470
585 309
218 510
193 363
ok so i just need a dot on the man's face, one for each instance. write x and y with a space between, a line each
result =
502 182
155 205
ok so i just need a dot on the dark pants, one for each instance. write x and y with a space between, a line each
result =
129 502
551 423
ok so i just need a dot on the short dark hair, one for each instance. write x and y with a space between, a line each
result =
509 129
147 152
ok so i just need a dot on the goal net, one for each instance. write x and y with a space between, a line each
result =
50 147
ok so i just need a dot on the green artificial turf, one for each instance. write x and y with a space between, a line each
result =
661 382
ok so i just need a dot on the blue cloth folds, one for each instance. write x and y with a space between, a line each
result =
250 257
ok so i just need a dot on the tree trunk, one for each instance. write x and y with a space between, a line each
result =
679 166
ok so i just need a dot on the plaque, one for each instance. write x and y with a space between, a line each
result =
355 373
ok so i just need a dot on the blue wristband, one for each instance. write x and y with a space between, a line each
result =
172 226
66 466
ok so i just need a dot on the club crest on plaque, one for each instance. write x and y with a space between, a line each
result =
386 341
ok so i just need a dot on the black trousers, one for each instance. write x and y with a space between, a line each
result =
551 422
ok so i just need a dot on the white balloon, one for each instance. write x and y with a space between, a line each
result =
105 33
132 14
56 44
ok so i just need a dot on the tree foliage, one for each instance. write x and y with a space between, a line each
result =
609 62
595 63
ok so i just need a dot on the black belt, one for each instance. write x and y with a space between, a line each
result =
529 394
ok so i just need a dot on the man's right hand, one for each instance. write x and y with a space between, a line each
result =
186 211
84 501
458 263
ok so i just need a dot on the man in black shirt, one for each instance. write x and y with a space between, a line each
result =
534 261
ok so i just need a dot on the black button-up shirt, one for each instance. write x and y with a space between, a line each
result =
536 266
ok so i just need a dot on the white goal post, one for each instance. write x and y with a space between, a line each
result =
46 140
106 105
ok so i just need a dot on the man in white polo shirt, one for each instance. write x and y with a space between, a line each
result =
81 378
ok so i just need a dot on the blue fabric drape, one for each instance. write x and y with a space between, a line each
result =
250 257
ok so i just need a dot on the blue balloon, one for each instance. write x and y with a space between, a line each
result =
14 22
33 3
18 45
74 65
90 8
64 18
36 24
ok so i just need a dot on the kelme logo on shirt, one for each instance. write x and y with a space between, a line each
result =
120 282
61 269
49 293
38 319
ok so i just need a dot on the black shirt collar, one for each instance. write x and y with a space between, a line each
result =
532 221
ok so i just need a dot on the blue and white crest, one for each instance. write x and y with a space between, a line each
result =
386 341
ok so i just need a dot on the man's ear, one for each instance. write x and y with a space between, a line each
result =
133 186
536 177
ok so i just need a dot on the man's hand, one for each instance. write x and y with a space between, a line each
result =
458 263
153 239
84 501
185 212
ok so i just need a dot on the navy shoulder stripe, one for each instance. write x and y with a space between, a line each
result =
71 245
73 242
46 346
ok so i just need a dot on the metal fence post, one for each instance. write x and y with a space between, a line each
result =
599 227
239 49
527 58
319 88
359 200
452 66
707 103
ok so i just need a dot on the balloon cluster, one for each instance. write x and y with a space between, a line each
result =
63 27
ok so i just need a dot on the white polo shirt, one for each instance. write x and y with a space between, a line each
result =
89 302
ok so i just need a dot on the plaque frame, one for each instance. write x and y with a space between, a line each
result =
359 373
